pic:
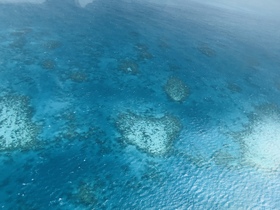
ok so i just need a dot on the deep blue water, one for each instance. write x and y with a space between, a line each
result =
68 63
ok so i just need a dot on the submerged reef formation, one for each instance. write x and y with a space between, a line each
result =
52 44
76 75
262 145
143 52
234 88
128 66
48 64
17 131
261 140
226 157
149 134
176 89
18 43
88 193
206 50
163 44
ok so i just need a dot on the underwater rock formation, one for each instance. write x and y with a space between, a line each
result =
17 131
176 89
149 134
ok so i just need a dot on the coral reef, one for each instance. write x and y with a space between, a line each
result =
260 140
223 157
71 129
18 43
76 76
149 134
21 32
48 64
143 52
89 193
16 127
262 144
176 89
252 61
52 44
233 87
128 66
86 194
163 44
206 50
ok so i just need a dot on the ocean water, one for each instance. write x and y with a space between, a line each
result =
68 74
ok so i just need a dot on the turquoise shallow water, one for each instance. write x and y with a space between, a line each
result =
67 74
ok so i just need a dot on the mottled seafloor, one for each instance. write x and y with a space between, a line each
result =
68 74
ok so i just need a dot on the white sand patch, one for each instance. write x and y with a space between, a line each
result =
16 127
149 134
262 145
